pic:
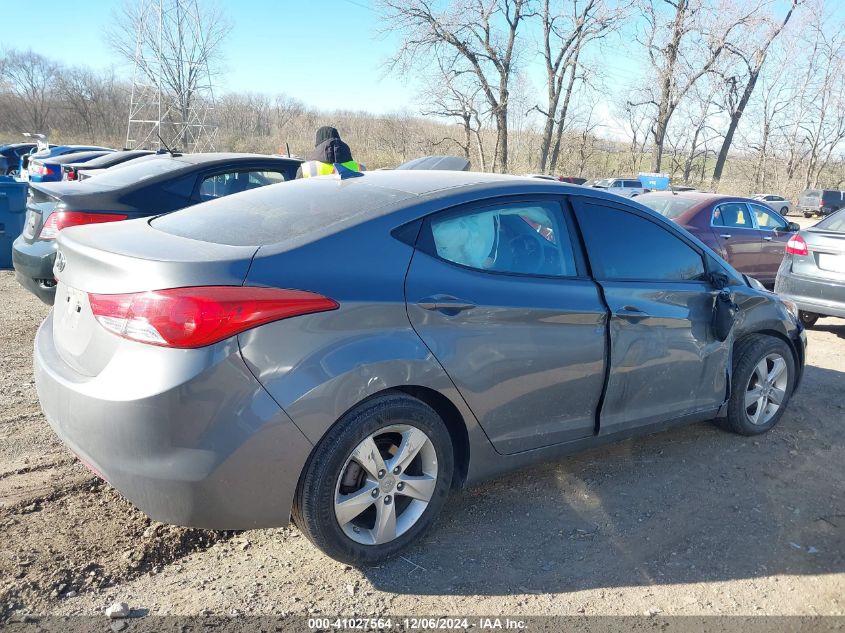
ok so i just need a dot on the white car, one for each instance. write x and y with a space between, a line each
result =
625 187
776 202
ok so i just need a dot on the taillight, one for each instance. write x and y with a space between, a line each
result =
200 315
59 220
797 246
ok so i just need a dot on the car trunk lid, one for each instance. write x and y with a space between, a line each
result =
826 255
39 205
127 257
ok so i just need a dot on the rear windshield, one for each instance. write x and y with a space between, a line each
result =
668 207
835 222
137 172
289 212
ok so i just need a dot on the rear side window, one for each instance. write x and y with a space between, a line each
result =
523 238
733 214
261 178
627 247
220 185
634 184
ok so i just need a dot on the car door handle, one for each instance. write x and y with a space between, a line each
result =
445 303
768 238
726 236
630 312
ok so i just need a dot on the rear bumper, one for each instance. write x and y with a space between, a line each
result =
33 264
191 438
811 294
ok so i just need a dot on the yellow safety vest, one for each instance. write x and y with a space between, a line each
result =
313 168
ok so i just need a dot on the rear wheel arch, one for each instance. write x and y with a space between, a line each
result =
442 406
454 422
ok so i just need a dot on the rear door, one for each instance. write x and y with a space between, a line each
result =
500 295
664 361
774 236
737 237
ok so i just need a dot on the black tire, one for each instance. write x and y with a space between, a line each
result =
784 211
808 319
313 509
808 215
748 353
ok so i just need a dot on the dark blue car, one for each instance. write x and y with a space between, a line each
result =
41 168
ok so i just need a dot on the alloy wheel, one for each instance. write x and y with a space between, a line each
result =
386 484
766 389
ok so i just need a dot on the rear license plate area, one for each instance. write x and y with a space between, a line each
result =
832 262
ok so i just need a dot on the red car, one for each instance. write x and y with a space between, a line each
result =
746 232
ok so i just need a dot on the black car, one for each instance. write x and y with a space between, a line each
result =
820 201
147 188
70 170
10 156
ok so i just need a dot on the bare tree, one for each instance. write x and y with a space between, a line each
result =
31 79
183 49
568 27
451 96
739 92
482 33
682 47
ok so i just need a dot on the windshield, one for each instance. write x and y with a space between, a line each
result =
603 184
835 222
668 207
142 170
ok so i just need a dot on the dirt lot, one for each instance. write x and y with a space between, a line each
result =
691 521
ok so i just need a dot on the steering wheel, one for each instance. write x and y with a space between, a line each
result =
530 253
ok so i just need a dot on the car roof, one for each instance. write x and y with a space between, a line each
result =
212 157
310 209
63 159
699 196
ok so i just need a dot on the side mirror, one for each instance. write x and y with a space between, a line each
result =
793 227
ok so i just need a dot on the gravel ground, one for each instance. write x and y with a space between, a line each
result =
693 521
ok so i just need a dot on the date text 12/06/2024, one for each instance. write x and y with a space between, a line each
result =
415 624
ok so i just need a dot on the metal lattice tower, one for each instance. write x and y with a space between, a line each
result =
172 94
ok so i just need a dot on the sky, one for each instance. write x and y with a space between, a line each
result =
327 54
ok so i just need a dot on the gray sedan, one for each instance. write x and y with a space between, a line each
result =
344 352
812 273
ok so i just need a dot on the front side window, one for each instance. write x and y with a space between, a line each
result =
627 247
524 238
733 214
767 220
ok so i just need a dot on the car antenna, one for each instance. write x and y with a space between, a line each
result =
169 151
287 148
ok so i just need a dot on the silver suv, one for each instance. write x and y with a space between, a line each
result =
625 187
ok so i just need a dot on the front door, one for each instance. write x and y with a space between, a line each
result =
500 296
664 361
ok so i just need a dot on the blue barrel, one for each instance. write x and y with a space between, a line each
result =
12 216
